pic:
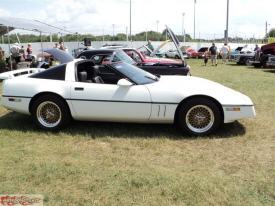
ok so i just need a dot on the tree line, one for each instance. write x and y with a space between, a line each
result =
142 36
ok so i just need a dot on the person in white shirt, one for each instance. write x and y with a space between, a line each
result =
15 52
224 53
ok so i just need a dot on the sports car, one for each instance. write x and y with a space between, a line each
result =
161 67
75 90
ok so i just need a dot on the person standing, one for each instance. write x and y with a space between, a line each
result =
56 46
224 51
150 46
22 54
61 46
257 48
206 57
213 54
29 51
1 54
15 52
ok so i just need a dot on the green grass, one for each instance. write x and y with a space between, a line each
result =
92 163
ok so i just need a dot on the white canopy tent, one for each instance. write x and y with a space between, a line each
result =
8 24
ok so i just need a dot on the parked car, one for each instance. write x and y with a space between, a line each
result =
172 53
156 53
240 50
141 58
103 56
261 58
109 45
199 53
241 58
76 90
271 61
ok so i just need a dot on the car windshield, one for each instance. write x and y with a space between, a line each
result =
122 56
133 73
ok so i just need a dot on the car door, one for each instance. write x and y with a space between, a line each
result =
92 101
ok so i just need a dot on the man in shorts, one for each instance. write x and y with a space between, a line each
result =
213 54
224 51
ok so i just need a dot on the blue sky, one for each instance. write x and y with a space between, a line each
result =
247 18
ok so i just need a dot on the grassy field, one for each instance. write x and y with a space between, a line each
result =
91 163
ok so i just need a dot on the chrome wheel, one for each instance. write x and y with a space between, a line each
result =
199 118
48 114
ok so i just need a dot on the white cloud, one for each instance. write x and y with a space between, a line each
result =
246 17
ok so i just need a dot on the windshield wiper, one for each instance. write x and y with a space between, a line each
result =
155 79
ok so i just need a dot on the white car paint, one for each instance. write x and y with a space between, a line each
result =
134 103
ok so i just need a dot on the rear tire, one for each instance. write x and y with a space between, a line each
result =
50 112
264 64
199 117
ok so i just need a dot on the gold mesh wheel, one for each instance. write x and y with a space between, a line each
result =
199 118
48 114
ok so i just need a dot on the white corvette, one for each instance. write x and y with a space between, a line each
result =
76 90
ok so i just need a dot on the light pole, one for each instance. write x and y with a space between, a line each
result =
195 19
157 26
131 20
266 29
113 31
226 31
183 31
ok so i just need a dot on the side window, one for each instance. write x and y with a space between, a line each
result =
101 59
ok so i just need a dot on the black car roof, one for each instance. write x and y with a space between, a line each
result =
99 51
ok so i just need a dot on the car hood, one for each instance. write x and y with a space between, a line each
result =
60 55
177 88
176 42
268 46
159 47
203 49
173 38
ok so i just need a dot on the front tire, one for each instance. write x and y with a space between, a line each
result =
258 65
247 63
50 113
199 117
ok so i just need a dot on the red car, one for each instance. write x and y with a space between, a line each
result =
199 53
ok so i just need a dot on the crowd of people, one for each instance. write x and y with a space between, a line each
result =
19 54
224 52
60 46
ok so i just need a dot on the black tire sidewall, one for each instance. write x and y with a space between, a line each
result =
65 112
198 101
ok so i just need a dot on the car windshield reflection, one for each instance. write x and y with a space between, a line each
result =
122 56
133 73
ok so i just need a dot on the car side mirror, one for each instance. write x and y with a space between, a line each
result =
124 83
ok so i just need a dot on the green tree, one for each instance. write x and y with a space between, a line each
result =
271 33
